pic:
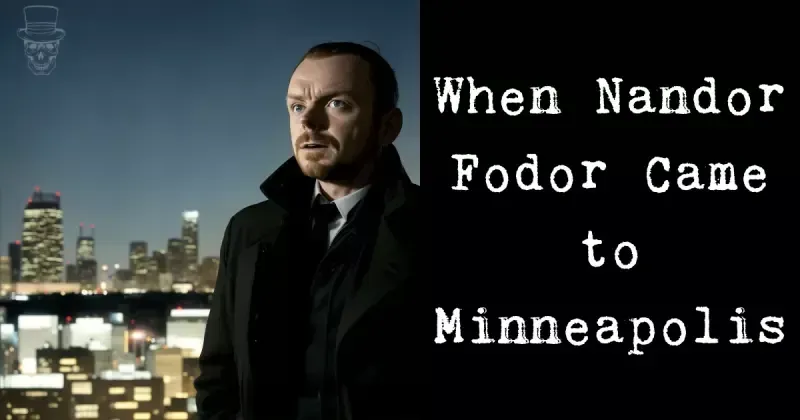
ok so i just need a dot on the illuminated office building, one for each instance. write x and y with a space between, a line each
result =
208 273
28 288
35 332
15 255
33 397
167 364
104 360
87 274
186 330
68 361
120 395
191 370
180 408
5 275
86 245
152 276
189 235
91 333
72 272
85 259
160 261
175 258
43 239
123 278
138 262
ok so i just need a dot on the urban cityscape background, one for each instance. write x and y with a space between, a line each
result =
119 170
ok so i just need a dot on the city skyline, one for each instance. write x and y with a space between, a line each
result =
156 108
88 231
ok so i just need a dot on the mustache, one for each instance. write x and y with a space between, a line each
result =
315 138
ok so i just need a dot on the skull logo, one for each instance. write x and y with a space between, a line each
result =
41 38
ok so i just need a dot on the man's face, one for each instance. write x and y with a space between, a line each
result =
330 116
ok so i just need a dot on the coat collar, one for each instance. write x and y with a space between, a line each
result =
289 188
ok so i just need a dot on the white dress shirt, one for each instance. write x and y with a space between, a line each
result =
344 205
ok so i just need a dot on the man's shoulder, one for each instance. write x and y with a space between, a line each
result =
251 222
257 213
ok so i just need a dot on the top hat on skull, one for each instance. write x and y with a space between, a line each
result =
41 38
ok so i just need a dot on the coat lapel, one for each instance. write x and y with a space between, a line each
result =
388 269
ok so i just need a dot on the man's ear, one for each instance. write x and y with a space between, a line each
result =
391 125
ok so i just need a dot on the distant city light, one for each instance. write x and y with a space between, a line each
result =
35 381
191 215
138 335
89 321
116 318
189 313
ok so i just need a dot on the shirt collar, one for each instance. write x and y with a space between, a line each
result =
344 204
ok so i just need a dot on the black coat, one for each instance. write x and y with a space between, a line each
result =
381 350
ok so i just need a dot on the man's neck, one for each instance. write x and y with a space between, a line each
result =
334 190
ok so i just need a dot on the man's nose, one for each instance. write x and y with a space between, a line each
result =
315 119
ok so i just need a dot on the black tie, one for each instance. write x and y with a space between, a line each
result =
322 214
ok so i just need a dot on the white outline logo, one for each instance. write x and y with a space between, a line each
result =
41 38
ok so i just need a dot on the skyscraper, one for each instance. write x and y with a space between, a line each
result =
175 259
5 274
161 272
138 262
72 272
86 262
15 254
208 273
86 248
190 240
43 238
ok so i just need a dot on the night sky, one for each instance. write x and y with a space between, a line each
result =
156 107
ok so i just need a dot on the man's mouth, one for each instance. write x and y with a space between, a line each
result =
314 146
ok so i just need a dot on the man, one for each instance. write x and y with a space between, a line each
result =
318 293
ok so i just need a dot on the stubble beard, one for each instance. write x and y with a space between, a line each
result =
341 172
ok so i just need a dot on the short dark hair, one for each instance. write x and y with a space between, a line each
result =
384 81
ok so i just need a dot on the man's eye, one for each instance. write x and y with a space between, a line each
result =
296 108
336 103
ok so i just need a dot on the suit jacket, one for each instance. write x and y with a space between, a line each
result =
381 351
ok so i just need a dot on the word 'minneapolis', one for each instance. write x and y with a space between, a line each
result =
673 332
640 102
